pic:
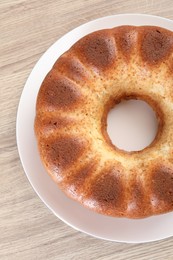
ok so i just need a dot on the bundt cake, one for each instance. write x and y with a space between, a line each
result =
73 102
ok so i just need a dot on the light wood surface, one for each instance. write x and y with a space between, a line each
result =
28 230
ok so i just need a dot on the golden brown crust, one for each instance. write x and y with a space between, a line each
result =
97 50
72 67
125 37
162 185
156 45
75 97
49 125
137 202
78 180
58 92
107 191
62 152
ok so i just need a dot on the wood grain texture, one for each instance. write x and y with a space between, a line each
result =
28 230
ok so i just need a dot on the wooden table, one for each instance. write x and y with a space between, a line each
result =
28 230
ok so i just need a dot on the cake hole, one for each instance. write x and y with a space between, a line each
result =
132 125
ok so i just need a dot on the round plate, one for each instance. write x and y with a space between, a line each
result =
69 211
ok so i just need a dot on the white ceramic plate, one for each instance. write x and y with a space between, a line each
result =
69 211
